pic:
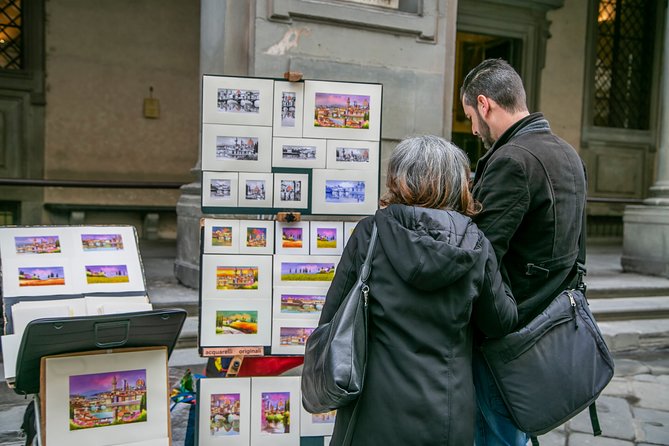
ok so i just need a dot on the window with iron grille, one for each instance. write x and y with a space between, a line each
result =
11 35
624 63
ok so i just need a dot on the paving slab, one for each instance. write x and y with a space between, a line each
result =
590 440
615 419
553 438
653 425
650 394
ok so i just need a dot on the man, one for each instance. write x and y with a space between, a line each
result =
532 187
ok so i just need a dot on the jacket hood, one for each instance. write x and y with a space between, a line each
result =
429 248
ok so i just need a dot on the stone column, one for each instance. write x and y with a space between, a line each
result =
646 227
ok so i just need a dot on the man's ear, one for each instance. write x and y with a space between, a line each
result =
482 104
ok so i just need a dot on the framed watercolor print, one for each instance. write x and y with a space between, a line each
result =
236 148
341 192
288 108
224 411
298 302
299 153
292 270
255 190
235 322
219 189
291 190
220 236
289 336
352 155
317 424
256 237
327 237
292 238
236 276
275 414
349 226
237 100
77 389
342 110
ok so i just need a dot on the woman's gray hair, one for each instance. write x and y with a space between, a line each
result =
428 171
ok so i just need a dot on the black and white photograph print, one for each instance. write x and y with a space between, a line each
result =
292 152
352 155
256 189
344 192
291 190
235 148
288 108
288 99
219 189
299 153
237 100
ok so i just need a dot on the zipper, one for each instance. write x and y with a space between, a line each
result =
572 301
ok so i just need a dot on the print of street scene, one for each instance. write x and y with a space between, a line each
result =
255 190
236 277
292 152
324 418
294 335
326 237
337 191
302 303
106 274
220 189
236 322
291 190
275 414
232 100
341 111
107 399
221 236
101 242
288 109
239 148
224 414
352 155
291 237
256 237
307 271
48 244
41 276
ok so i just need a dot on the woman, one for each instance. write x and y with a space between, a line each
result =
434 282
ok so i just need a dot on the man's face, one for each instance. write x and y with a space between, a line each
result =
479 127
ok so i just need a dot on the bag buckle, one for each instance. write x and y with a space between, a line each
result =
533 270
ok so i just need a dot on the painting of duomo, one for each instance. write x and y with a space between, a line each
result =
236 322
106 274
221 236
275 413
48 244
41 276
255 190
107 399
237 148
101 242
307 271
236 277
341 111
232 100
224 414
256 237
291 190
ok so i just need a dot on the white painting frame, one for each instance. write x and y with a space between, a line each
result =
222 194
304 271
372 92
210 266
323 234
348 155
293 180
317 425
209 387
254 245
225 147
208 329
223 112
220 236
289 336
312 300
349 227
321 203
281 126
287 244
300 153
262 386
246 178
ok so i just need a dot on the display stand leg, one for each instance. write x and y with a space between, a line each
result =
38 422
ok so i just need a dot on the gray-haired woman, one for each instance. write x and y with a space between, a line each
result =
434 282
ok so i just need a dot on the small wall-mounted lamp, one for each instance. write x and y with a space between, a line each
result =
151 106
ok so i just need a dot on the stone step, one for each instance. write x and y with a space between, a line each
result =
635 334
627 308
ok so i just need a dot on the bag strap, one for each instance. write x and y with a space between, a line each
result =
367 265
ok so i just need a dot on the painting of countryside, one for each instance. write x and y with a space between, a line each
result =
106 274
323 272
291 237
326 237
236 322
42 276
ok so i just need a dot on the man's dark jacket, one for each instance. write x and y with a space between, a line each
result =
434 277
532 186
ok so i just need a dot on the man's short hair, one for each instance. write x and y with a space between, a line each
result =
497 80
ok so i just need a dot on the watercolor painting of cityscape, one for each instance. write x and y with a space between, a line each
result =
106 274
275 413
295 335
41 276
236 322
221 236
224 414
107 399
326 237
291 237
324 418
236 277
352 154
232 100
256 237
341 111
47 244
337 191
101 242
307 271
237 148
302 303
